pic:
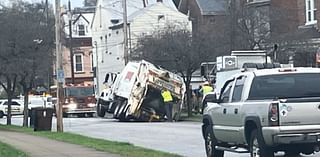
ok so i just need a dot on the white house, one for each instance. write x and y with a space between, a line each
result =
107 43
152 18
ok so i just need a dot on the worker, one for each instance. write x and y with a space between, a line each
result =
168 103
206 88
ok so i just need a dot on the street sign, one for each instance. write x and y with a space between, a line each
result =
60 76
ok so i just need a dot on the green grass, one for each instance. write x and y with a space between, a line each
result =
121 148
193 118
8 151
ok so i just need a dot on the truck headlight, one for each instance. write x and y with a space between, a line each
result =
91 105
72 106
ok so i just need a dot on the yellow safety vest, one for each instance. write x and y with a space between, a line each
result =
166 96
206 89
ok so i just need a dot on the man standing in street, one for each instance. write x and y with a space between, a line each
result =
206 88
168 103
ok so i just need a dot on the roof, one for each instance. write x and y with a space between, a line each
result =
114 7
264 72
212 7
140 12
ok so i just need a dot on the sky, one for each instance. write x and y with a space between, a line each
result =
74 3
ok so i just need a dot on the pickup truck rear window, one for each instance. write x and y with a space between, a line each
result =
285 86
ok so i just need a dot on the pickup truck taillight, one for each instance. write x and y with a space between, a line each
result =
273 114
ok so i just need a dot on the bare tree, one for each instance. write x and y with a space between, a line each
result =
249 25
25 48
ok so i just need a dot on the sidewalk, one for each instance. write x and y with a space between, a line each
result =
36 146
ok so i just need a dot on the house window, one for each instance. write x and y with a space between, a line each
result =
310 12
81 30
78 63
91 59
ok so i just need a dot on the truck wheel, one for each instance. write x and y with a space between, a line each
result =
116 111
100 110
210 143
1 114
257 146
122 111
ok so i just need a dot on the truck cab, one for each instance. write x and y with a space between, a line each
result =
79 100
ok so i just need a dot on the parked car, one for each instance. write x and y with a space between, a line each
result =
16 107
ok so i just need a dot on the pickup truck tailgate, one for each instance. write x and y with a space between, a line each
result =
300 111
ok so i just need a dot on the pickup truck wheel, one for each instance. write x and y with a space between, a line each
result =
257 146
210 144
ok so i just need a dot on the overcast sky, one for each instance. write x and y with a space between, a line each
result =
74 3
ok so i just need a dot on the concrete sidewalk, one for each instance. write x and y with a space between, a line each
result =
36 146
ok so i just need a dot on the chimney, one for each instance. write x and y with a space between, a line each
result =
159 1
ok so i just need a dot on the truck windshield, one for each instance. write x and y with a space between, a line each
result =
79 91
285 86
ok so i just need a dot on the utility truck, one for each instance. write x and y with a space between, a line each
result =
136 93
226 66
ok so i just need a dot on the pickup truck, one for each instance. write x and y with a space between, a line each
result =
265 111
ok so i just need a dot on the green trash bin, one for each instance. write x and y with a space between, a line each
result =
43 119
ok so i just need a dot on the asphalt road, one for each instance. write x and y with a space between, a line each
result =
182 138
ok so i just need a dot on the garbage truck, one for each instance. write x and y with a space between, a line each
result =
135 94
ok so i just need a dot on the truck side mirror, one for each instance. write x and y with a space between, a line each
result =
209 98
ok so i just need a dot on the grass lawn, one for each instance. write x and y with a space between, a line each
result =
121 148
8 151
193 118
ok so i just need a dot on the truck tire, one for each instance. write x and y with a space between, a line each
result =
257 147
116 111
122 111
210 143
1 114
100 110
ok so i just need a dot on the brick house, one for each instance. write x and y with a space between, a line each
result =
296 25
82 47
209 20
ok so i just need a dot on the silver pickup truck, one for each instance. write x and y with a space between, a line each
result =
263 112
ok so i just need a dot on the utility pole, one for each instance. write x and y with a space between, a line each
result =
59 68
70 42
125 32
232 23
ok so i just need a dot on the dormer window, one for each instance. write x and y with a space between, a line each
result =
160 17
310 12
81 30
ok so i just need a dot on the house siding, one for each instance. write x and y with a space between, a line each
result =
139 27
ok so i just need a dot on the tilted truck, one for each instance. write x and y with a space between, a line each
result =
136 93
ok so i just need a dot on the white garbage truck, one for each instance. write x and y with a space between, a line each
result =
135 93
